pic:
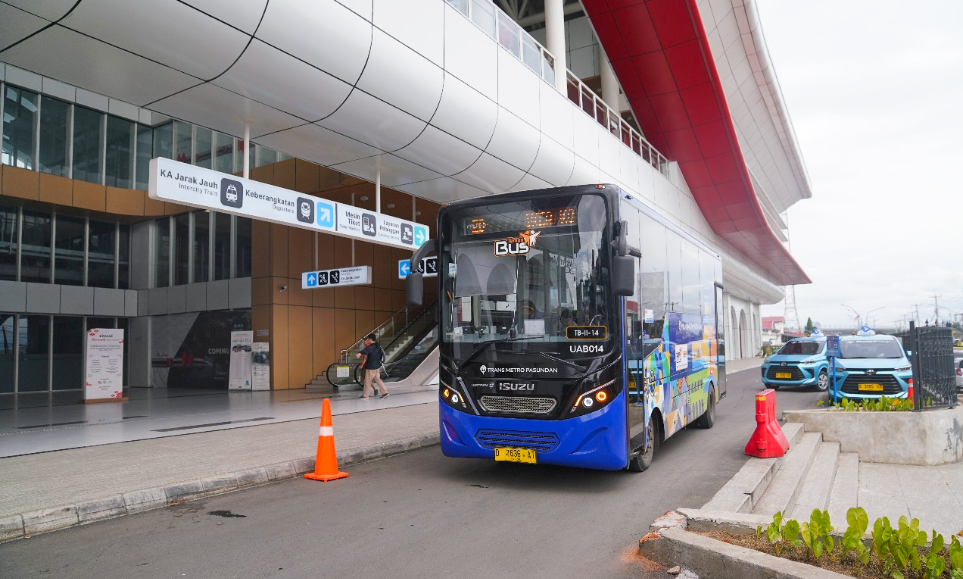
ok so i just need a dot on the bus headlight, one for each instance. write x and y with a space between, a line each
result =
593 399
453 397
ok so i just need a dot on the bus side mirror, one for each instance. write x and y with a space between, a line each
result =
415 288
623 275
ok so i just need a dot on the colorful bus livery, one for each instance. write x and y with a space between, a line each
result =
577 326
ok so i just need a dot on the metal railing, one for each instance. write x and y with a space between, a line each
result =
390 327
931 355
513 38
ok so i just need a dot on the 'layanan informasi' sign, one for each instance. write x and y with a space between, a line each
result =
360 275
197 187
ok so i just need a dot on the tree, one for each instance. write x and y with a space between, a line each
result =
809 326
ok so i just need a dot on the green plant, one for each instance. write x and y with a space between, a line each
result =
956 558
817 534
853 537
935 564
881 404
898 549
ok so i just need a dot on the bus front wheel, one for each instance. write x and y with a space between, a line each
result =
643 458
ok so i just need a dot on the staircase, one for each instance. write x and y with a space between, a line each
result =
812 475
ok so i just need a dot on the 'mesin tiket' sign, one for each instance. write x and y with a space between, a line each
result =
197 187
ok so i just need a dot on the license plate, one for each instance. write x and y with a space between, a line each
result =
784 375
515 455
871 387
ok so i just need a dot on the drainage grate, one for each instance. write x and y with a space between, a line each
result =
209 424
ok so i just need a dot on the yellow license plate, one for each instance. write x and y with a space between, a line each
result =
515 455
783 375
871 387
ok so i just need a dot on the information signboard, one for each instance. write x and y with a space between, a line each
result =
198 187
360 275
241 347
104 365
429 267
260 366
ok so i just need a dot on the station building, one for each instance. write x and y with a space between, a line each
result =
390 106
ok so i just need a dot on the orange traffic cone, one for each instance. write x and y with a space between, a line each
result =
326 463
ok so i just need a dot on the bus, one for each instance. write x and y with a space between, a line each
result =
578 327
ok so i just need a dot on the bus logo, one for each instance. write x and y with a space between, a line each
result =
516 245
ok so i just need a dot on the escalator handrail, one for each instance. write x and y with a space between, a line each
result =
418 318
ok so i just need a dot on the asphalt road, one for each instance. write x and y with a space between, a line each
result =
417 515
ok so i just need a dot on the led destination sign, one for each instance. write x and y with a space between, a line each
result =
521 220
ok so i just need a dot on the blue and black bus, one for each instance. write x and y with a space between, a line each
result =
578 327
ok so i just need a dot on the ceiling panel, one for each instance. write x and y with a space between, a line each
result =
395 171
402 77
491 175
553 163
15 25
442 189
375 122
556 115
465 113
586 133
274 78
584 172
243 15
162 30
530 182
51 10
470 54
222 110
440 151
73 58
518 88
322 33
318 145
418 24
514 140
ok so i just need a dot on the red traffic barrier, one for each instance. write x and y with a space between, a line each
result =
767 441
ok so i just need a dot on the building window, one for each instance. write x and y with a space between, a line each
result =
87 145
164 141
183 150
69 251
266 156
182 248
239 158
54 136
35 247
100 253
243 264
202 147
120 152
145 136
123 257
68 349
19 118
8 243
224 153
222 246
202 246
8 341
34 358
162 252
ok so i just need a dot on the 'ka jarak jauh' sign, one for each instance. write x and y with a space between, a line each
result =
197 187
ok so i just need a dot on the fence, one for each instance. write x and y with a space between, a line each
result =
931 355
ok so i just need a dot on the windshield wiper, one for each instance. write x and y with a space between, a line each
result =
569 363
485 345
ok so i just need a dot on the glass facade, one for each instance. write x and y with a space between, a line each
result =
87 145
243 250
119 153
19 121
54 137
201 248
85 251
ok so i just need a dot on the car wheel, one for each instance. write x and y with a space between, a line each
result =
822 382
643 460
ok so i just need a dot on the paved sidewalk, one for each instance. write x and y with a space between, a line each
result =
928 493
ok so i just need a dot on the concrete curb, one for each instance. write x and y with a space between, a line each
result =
669 543
25 525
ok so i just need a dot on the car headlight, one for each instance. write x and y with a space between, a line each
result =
904 368
839 367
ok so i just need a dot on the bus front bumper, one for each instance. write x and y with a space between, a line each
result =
597 440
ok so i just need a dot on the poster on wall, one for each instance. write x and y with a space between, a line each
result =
104 365
241 347
261 366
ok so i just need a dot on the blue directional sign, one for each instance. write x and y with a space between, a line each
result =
429 267
832 346
421 235
311 280
325 214
358 275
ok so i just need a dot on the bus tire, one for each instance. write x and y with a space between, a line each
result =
642 460
708 418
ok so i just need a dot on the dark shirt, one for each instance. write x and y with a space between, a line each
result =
374 354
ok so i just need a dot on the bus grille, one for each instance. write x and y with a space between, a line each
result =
517 405
540 441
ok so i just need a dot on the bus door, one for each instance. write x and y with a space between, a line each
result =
720 343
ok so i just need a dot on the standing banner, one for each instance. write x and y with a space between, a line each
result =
104 365
241 348
261 366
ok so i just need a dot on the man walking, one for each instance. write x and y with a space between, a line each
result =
374 357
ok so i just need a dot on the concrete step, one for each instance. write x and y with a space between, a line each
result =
845 491
745 489
816 486
786 484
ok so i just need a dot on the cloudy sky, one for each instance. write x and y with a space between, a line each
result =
875 93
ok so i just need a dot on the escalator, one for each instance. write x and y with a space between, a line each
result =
408 338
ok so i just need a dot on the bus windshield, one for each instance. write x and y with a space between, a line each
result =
524 270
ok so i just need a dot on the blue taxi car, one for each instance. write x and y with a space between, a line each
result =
800 362
870 366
